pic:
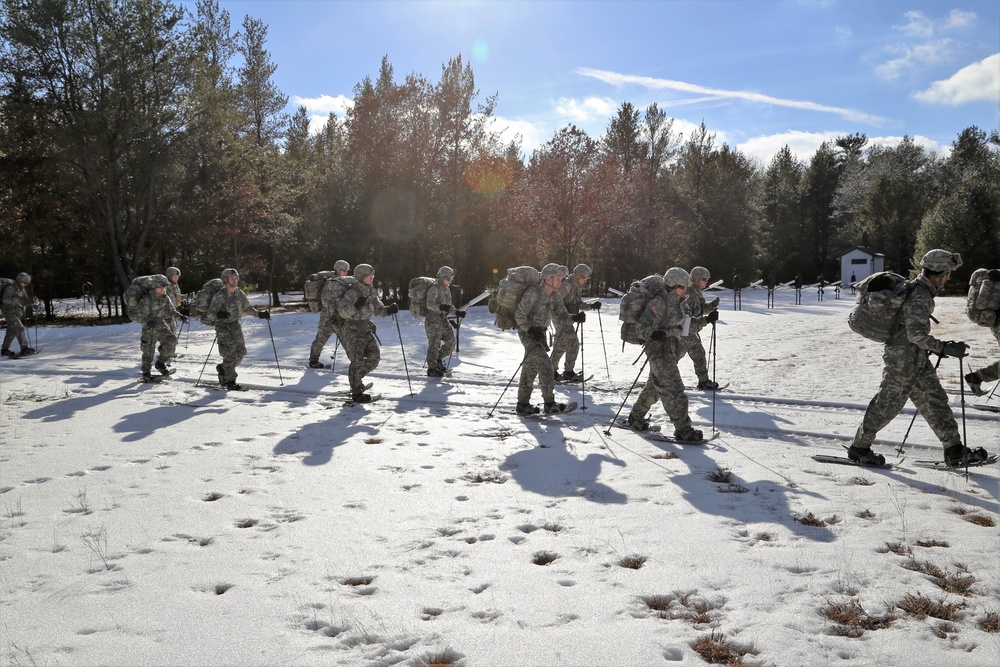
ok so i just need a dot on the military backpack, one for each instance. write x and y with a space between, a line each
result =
508 295
139 288
417 294
204 299
313 288
634 303
877 310
983 304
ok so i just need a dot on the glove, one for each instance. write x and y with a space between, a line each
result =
459 314
445 308
580 317
954 348
712 317
222 314
184 319
360 302
537 333
185 309
596 305
659 334
454 324
714 303
392 309
264 314
152 323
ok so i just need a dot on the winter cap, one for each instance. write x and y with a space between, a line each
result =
362 271
23 278
700 273
160 280
676 277
446 273
582 270
173 271
230 272
552 269
341 265
939 260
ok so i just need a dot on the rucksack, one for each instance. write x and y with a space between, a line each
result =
204 300
314 287
505 300
418 295
4 282
139 288
876 312
634 303
333 291
983 304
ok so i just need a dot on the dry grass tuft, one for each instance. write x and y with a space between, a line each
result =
720 475
633 562
897 548
489 477
809 519
733 488
544 557
852 620
444 658
666 455
716 650
990 622
357 581
919 606
865 514
932 543
661 604
862 481
373 441
765 537
980 520
959 581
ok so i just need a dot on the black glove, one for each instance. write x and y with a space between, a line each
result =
714 303
185 309
445 308
152 323
222 315
392 309
184 319
659 334
360 302
954 348
538 333
580 317
596 305
264 314
712 317
460 314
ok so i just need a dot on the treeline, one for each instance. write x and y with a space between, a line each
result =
135 135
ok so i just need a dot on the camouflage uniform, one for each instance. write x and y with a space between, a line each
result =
909 374
329 317
991 372
565 340
537 309
357 332
229 330
15 301
663 313
440 335
173 293
694 306
157 314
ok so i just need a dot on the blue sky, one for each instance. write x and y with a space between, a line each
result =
760 74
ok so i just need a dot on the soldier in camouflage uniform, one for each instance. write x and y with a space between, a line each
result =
329 318
566 341
440 336
357 332
538 305
157 314
173 293
990 373
228 306
660 327
701 314
909 374
14 300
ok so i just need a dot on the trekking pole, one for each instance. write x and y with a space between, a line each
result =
403 351
273 347
636 380
457 324
198 382
583 369
489 415
961 393
906 435
336 344
716 390
603 346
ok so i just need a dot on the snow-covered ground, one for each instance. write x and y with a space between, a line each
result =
175 524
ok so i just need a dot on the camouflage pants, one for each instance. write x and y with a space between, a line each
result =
692 347
440 339
15 329
232 347
987 373
536 363
358 341
908 374
566 343
151 335
327 327
664 383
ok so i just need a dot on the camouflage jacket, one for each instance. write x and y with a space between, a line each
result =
538 309
438 295
15 300
694 305
156 308
664 313
235 305
916 313
569 290
371 306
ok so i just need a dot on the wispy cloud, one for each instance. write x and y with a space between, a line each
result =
959 19
921 49
926 53
804 145
916 24
978 82
618 79
587 109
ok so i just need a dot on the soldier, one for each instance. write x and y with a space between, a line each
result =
157 314
173 293
990 373
538 306
701 314
440 337
228 307
566 341
329 318
909 374
14 300
357 332
660 327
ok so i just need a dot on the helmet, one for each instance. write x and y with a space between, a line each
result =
160 280
939 260
230 272
173 271
676 277
552 269
341 265
23 278
362 271
446 273
582 270
700 273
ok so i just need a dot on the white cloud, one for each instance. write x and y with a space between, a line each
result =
588 109
617 79
324 104
978 82
926 53
917 25
959 19
804 145
531 134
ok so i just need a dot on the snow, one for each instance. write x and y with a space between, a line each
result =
174 524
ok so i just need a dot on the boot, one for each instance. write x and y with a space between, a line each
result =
526 409
552 408
708 385
865 456
957 456
435 372
688 435
26 351
557 376
7 353
315 364
361 397
234 386
637 423
222 374
162 368
149 378
975 384
571 376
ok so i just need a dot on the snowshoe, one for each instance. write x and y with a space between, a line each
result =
316 364
26 352
435 373
708 385
234 386
526 409
149 378
975 384
8 353
361 398
957 456
688 435
637 423
162 368
553 408
865 456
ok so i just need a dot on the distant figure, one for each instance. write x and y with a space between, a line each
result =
440 335
566 341
854 278
15 301
702 314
